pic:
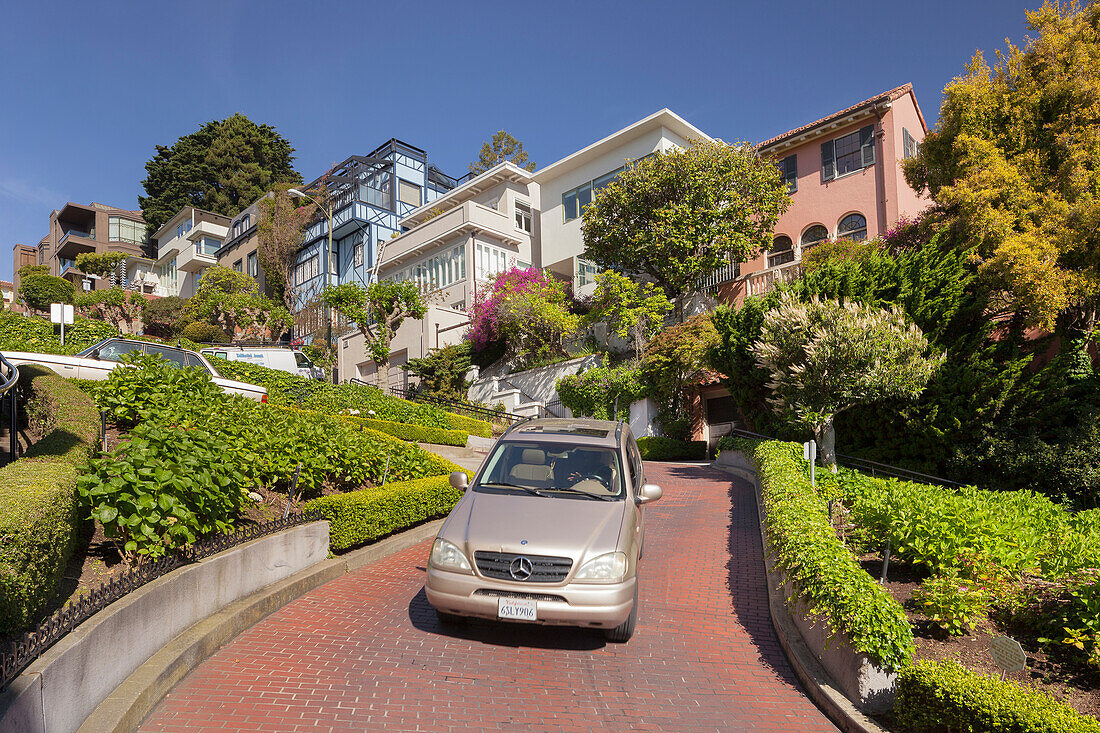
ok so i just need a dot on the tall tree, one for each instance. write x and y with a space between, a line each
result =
222 167
1015 161
824 358
231 300
501 148
281 227
117 306
680 216
633 311
38 291
378 311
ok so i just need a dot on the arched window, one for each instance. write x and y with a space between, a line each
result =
814 235
853 227
782 251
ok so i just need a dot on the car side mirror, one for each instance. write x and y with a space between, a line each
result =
94 354
460 480
648 493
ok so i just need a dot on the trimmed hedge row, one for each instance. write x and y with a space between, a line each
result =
471 425
38 509
822 570
358 517
946 696
670 449
413 433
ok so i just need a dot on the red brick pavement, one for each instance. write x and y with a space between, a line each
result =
365 652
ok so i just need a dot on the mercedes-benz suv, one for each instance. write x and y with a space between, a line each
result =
550 530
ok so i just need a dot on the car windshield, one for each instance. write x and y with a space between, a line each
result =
554 469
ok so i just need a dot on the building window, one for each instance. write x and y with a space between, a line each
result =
408 193
909 145
439 271
523 216
490 261
813 236
183 228
357 254
586 272
306 270
788 168
848 154
782 251
238 266
253 264
853 227
125 230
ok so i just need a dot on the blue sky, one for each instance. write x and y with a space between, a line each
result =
88 89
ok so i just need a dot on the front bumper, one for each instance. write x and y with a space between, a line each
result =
595 605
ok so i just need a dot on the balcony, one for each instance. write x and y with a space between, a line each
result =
75 242
470 217
196 257
763 282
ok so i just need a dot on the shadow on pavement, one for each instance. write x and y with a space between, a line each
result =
503 633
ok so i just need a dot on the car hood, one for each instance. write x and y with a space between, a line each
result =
577 528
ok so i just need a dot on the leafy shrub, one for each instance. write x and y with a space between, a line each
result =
359 517
442 373
163 317
38 499
163 488
604 393
1066 613
822 570
204 333
1019 531
667 449
939 696
40 291
413 433
672 360
954 604
151 387
37 335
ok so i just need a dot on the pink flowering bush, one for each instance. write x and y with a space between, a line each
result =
526 310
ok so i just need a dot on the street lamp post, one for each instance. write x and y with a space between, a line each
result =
295 193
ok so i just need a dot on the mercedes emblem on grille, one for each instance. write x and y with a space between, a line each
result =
520 568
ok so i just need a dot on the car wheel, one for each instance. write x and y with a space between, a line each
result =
449 619
625 630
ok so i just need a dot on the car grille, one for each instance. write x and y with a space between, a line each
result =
514 594
544 568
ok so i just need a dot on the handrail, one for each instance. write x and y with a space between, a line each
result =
456 406
6 390
874 467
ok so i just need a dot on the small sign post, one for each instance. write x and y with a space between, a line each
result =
1007 654
809 453
63 314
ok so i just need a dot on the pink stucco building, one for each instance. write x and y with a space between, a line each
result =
845 180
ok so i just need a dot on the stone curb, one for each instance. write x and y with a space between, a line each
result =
125 709
817 682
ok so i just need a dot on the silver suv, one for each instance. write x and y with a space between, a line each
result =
550 531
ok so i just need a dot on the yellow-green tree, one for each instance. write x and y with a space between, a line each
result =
1015 164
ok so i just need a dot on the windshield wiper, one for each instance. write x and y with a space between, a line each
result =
600 497
503 485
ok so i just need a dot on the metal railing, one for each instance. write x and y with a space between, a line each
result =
460 408
873 467
31 645
9 378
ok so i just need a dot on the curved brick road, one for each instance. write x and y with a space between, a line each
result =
365 652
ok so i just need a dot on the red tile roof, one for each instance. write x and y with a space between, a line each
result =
884 96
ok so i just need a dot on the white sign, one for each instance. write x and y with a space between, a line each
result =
1008 654
60 313
809 451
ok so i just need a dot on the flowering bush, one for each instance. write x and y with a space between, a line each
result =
525 309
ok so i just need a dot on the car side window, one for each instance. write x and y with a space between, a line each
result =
114 350
301 360
636 476
173 355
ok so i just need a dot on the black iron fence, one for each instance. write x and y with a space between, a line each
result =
872 467
459 408
31 645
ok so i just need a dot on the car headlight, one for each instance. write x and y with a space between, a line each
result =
447 556
609 568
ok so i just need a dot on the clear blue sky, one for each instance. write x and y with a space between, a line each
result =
88 89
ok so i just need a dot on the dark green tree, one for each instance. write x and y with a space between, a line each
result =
164 317
222 167
39 291
443 372
501 148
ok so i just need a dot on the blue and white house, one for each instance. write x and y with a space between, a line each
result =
369 195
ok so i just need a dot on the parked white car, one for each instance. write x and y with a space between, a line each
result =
96 362
285 360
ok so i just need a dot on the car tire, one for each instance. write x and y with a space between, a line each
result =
449 619
625 630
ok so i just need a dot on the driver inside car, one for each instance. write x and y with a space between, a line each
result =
585 465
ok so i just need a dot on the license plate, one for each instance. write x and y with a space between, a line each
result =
520 609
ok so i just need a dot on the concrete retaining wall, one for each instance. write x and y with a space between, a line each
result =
61 688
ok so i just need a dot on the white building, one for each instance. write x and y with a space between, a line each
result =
186 246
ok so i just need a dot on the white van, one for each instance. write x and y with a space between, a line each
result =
285 360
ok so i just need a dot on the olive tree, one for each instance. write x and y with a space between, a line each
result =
824 357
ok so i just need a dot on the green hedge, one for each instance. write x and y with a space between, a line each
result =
38 510
414 433
946 696
670 449
37 335
470 425
363 516
822 570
